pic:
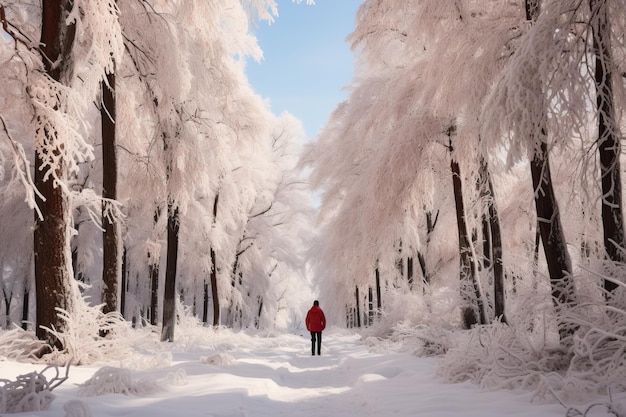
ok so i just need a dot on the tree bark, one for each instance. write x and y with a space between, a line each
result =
548 215
214 291
153 272
25 308
379 301
169 293
492 240
205 302
472 311
51 243
124 283
111 236
358 307
609 144
550 228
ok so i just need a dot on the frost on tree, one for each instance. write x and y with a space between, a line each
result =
75 52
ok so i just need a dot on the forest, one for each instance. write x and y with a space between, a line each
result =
466 196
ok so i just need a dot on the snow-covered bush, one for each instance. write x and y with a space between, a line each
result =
20 345
30 392
90 336
597 364
218 359
498 357
111 380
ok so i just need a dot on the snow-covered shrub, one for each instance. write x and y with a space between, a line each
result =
498 357
29 392
111 380
431 341
177 378
144 362
20 345
598 349
218 359
82 336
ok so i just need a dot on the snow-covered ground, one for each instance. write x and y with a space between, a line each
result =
237 375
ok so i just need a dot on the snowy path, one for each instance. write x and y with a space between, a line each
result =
278 377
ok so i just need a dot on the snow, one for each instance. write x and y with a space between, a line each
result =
226 374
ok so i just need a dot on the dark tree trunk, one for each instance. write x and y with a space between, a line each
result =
400 261
358 307
169 294
257 321
430 227
25 308
214 292
550 228
111 244
7 307
205 302
609 144
370 306
472 311
548 216
498 268
153 272
492 240
379 301
52 266
409 271
124 283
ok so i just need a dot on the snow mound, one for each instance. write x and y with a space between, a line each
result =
219 359
76 408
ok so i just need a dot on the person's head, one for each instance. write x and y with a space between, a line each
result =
316 303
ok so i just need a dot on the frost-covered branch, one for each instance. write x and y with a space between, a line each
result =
30 392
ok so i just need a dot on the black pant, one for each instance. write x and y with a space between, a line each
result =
318 336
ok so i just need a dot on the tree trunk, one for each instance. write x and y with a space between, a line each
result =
379 301
552 236
25 308
430 227
153 272
472 311
370 306
358 307
169 295
609 144
492 239
257 320
550 228
7 307
214 292
205 302
498 268
548 216
124 283
111 236
409 271
51 243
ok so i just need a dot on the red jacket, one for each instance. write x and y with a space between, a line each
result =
315 320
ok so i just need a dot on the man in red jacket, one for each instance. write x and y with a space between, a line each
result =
315 323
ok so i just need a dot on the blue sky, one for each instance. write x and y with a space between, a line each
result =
306 59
